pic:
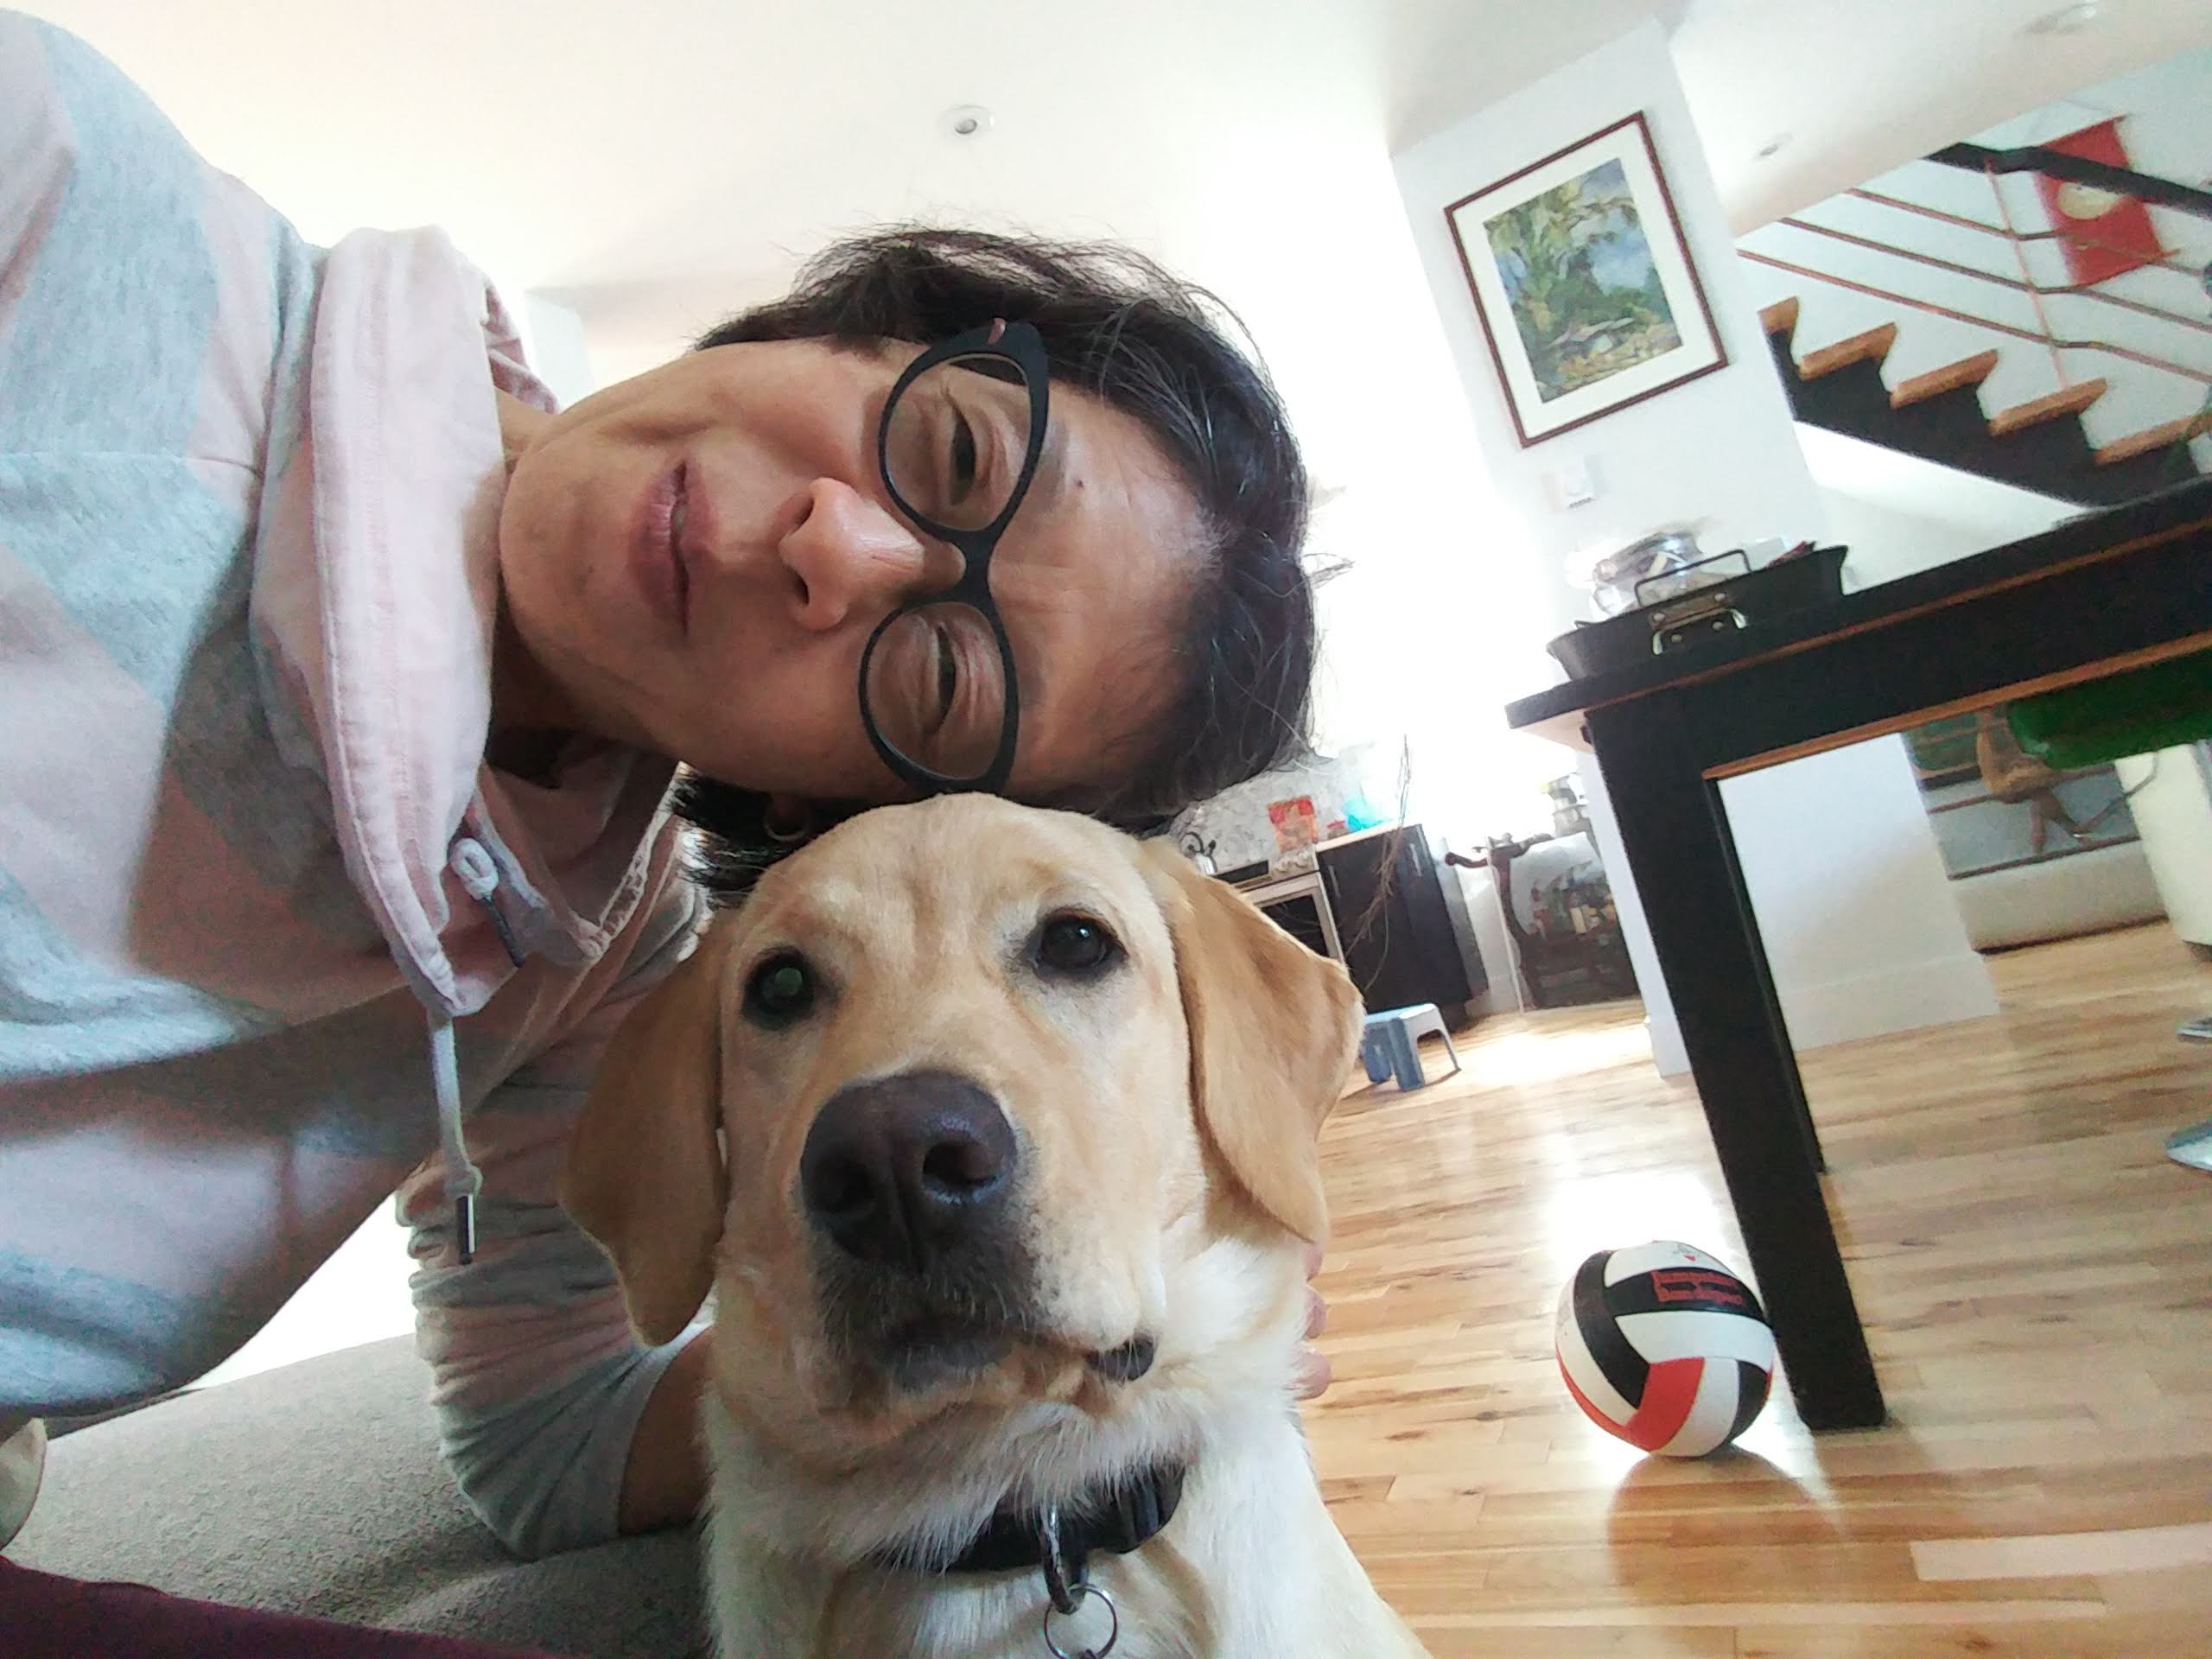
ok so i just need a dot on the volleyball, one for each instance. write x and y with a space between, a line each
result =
1663 1346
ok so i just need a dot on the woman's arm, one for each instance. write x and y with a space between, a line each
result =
664 1483
546 1401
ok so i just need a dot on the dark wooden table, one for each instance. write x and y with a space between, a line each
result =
2111 590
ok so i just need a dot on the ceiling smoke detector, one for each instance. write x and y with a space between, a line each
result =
964 121
2069 20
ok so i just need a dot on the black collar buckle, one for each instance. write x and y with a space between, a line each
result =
1059 1541
1113 1521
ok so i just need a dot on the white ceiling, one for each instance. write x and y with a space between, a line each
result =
657 162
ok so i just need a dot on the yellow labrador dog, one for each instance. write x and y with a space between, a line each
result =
1016 1151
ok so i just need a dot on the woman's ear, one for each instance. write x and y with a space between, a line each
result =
645 1175
1272 1030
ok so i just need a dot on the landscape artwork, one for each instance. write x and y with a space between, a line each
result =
1582 281
1586 295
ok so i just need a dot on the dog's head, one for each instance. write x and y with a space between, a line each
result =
1013 1110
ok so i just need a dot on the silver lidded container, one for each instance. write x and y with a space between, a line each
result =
1613 579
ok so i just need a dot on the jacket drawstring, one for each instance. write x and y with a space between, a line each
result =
463 1180
479 876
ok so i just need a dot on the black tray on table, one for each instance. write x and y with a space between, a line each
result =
1804 576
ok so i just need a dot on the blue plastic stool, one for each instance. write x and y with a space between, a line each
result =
1389 1043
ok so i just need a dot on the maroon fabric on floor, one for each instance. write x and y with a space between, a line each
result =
43 1617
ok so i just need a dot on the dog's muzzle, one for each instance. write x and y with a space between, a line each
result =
912 1185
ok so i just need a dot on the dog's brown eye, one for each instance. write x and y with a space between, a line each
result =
780 990
1073 943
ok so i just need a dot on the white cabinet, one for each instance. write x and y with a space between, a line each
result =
2171 796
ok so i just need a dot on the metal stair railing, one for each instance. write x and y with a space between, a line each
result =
2078 169
2056 164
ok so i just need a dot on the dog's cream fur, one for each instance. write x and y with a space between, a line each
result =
1166 1113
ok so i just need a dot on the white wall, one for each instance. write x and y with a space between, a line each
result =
359 1295
1887 542
2173 805
1852 899
1836 835
1901 513
1415 643
553 338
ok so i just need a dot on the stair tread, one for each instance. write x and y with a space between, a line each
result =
1966 372
1780 317
2067 400
1872 346
2149 439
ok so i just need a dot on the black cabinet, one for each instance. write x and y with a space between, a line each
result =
1299 916
1402 922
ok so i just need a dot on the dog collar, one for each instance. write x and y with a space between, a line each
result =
1107 1520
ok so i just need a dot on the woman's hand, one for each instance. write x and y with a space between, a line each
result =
1313 1373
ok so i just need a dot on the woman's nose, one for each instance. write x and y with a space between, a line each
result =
853 554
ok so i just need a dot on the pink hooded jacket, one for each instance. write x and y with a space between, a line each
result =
276 943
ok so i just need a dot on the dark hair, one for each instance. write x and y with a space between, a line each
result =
1119 326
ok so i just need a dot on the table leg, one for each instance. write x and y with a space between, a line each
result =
1675 831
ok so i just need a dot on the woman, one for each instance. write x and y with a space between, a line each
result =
346 679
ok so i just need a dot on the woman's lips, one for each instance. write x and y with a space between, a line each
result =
655 553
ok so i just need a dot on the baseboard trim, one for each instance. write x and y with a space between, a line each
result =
1902 999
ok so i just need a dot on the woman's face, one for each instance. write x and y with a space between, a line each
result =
694 560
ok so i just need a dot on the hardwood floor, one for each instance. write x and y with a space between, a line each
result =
2034 1275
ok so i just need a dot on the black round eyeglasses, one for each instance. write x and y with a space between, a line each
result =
957 446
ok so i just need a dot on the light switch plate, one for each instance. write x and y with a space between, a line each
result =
1573 483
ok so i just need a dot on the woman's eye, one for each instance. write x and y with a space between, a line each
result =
961 462
948 675
1076 944
780 991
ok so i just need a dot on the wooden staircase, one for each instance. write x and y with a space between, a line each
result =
2039 445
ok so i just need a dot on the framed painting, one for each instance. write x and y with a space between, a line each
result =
1584 282
1295 824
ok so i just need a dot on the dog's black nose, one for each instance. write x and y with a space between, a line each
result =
906 1170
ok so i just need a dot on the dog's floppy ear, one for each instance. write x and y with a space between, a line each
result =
645 1175
1272 1030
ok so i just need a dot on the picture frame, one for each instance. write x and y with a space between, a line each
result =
1583 282
1295 825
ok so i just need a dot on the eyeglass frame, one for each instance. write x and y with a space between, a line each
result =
1022 345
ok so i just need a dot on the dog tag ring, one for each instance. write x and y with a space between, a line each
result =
1083 1592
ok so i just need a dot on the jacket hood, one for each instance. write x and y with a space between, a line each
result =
382 620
